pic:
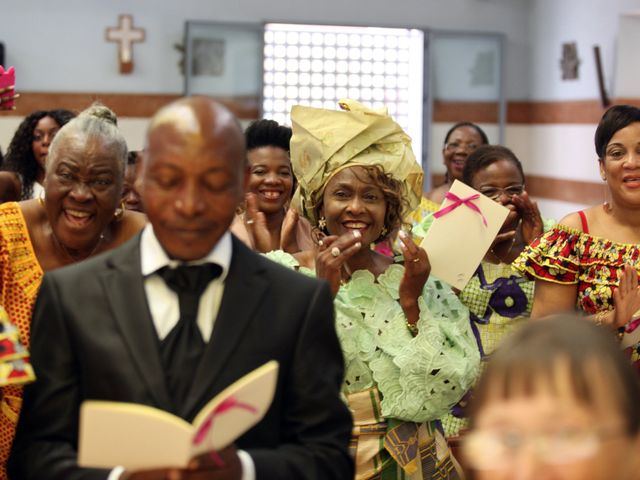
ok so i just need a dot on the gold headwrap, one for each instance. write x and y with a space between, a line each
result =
325 142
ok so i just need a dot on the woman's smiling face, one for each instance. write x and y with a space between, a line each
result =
270 178
351 201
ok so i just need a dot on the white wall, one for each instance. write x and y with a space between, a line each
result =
627 69
588 23
60 46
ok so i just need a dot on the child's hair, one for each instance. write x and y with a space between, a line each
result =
564 355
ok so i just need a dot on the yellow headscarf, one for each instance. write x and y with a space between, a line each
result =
324 142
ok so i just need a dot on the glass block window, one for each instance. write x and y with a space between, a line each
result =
317 65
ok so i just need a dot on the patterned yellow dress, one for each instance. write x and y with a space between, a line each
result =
20 278
568 256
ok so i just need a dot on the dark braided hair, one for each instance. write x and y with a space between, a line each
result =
267 133
19 157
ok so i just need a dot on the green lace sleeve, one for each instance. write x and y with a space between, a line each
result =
419 378
287 260
420 229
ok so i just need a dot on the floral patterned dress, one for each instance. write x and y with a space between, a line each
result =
397 385
568 256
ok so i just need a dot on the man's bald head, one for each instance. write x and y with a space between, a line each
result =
198 121
193 175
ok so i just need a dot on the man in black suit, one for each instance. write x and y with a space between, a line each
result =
115 327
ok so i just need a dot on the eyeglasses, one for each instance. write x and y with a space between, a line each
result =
453 146
497 450
494 193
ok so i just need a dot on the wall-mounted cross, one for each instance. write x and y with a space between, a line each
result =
126 35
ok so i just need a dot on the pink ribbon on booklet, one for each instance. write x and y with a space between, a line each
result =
457 201
228 404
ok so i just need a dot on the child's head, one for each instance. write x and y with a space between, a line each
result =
558 401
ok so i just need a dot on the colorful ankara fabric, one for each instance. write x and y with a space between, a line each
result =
20 275
568 256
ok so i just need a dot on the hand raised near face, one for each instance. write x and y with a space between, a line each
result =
626 297
532 225
416 273
332 254
256 223
288 240
224 465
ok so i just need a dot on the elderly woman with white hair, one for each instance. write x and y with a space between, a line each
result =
409 351
78 217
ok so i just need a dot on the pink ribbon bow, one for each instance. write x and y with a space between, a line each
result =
457 201
228 404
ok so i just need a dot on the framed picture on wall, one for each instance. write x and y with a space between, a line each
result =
224 61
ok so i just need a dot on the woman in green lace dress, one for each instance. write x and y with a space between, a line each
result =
409 350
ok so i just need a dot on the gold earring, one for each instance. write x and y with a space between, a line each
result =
383 232
41 198
119 213
322 223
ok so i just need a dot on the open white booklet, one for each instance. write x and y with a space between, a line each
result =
140 437
461 234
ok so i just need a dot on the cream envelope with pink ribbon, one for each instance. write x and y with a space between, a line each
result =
462 232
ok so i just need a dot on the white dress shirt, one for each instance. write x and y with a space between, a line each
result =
165 309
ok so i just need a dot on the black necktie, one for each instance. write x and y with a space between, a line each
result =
182 348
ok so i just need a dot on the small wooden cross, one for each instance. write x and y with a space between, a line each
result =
125 34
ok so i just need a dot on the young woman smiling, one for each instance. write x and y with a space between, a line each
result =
266 223
29 148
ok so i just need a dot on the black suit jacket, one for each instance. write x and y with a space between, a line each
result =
93 338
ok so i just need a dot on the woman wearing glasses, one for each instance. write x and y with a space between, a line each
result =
459 142
590 260
498 298
558 400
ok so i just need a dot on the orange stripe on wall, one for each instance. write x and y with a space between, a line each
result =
577 112
145 105
525 112
124 104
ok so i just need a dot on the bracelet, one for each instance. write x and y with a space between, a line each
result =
413 328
